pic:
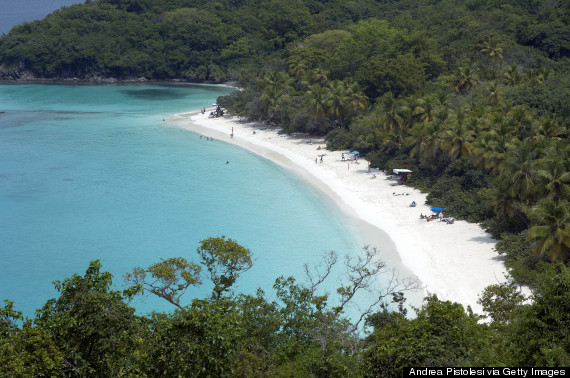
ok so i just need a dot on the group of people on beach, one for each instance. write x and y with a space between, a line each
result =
350 158
438 216
219 112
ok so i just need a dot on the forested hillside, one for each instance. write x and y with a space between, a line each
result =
473 96
196 40
214 40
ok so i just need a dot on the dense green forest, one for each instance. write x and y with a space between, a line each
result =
91 330
471 95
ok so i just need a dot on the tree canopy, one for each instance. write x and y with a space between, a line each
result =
296 330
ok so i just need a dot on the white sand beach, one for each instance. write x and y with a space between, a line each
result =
455 261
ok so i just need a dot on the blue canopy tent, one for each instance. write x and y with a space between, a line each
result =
436 209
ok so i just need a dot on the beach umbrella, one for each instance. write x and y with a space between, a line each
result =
355 152
436 209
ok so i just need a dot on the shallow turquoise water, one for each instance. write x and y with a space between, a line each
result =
93 172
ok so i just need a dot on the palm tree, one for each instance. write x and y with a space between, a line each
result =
424 139
275 85
554 173
483 156
512 75
430 106
298 69
269 97
519 167
318 101
355 97
493 52
319 75
490 147
416 106
552 229
501 124
457 140
549 128
465 79
521 121
503 203
494 93
537 76
393 114
277 79
337 99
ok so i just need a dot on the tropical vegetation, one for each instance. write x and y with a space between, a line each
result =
471 95
90 329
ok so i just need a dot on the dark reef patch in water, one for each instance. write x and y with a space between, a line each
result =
19 118
156 94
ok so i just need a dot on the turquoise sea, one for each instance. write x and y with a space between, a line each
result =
93 172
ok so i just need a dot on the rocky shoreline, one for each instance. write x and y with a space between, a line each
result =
22 75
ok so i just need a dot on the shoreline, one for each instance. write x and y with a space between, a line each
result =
102 81
455 261
22 76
